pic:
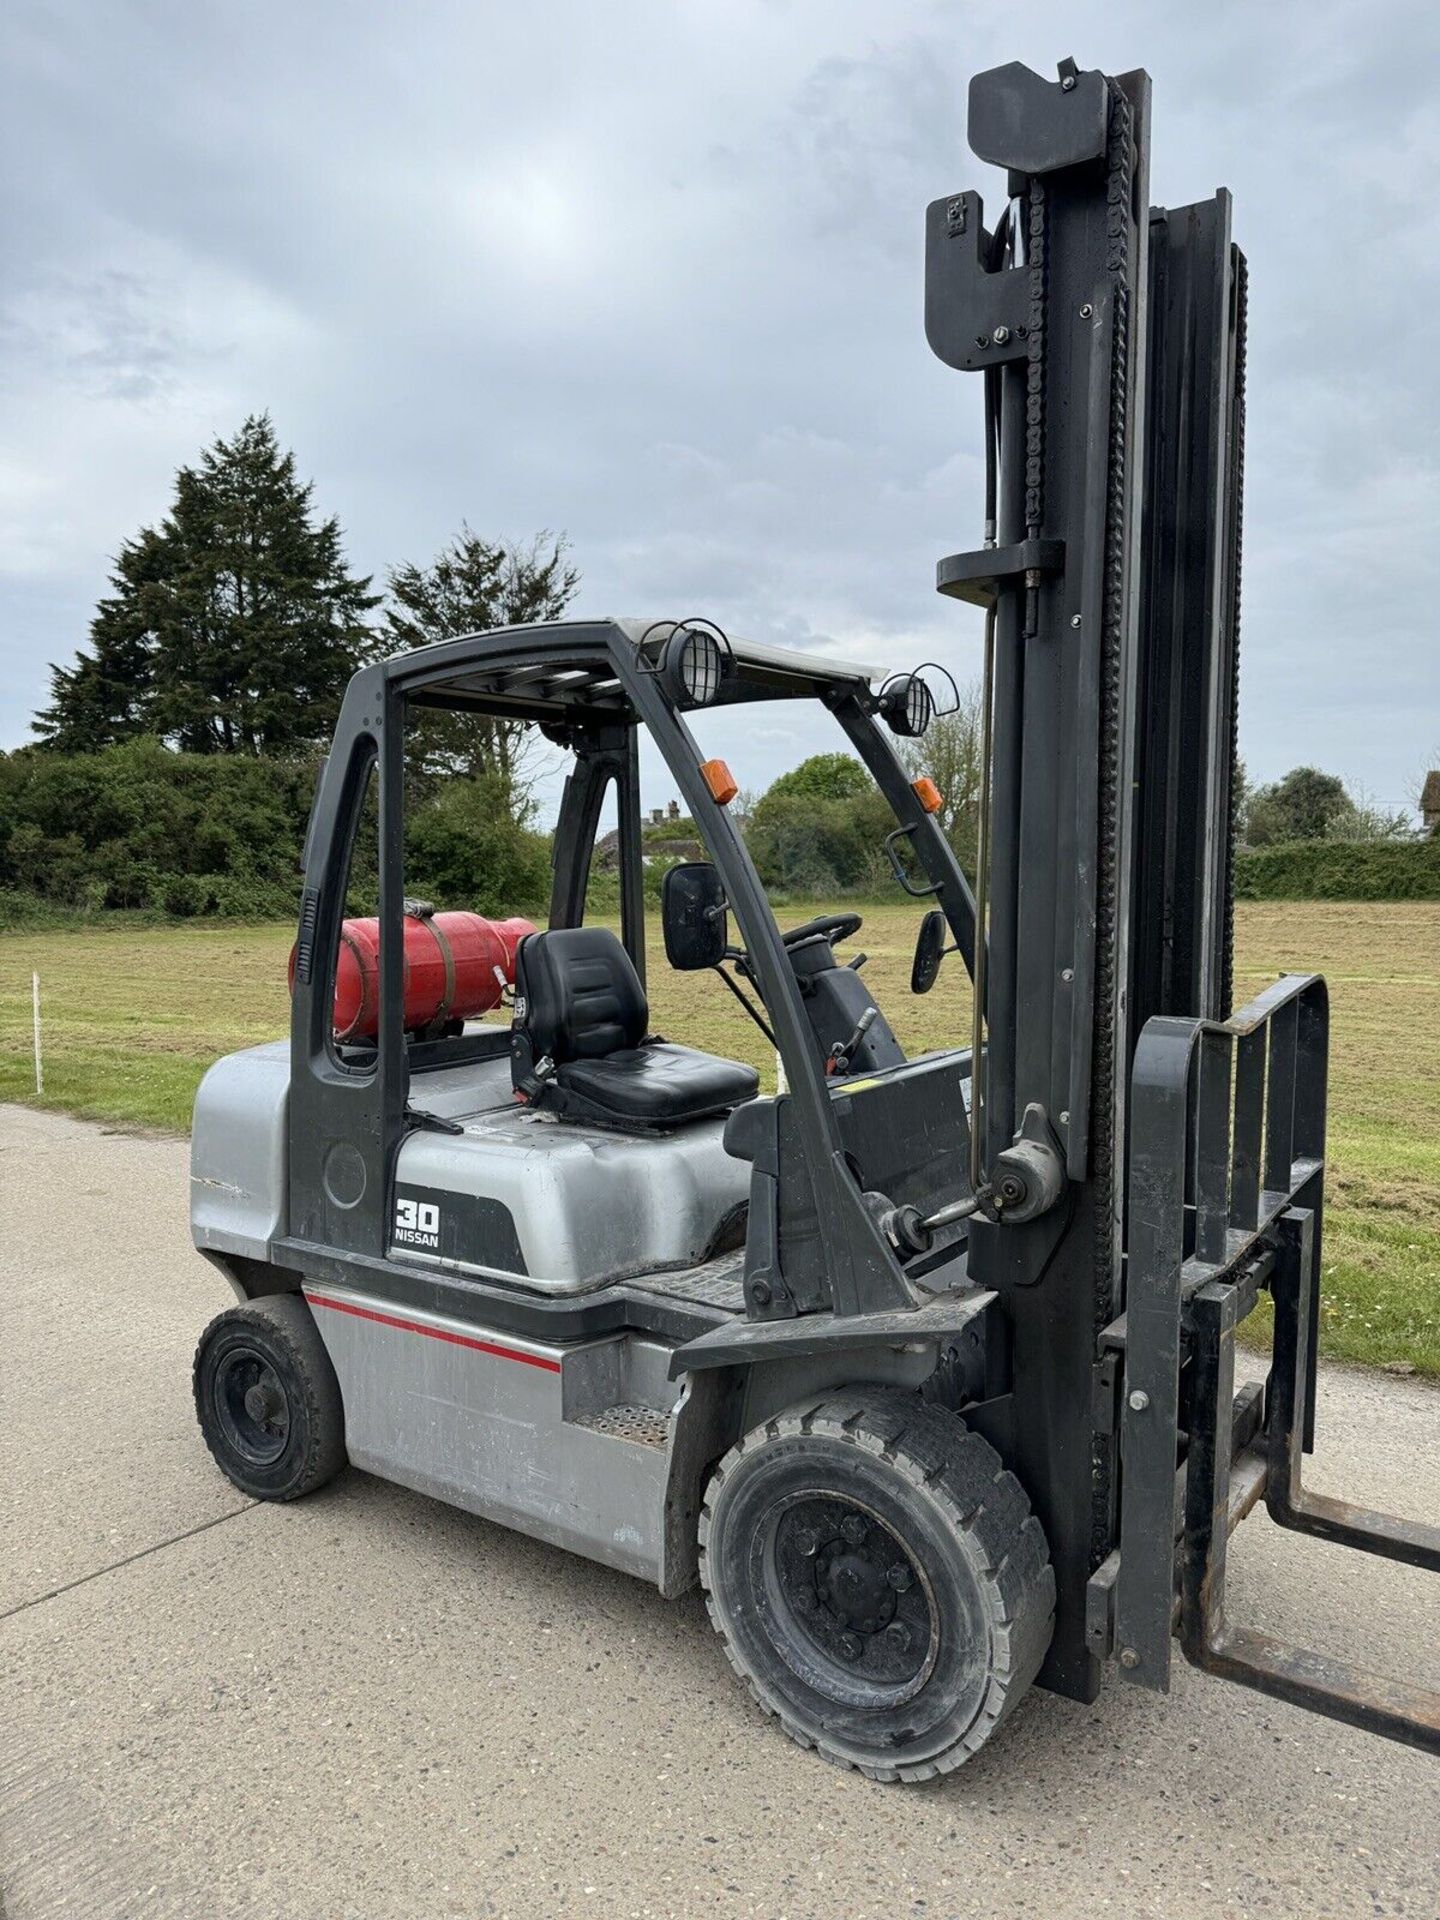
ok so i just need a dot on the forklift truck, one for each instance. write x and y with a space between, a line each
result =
924 1368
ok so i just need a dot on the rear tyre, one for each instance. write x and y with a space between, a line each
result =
267 1399
878 1580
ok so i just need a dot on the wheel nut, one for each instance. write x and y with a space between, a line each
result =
851 1646
900 1577
805 1601
897 1636
853 1528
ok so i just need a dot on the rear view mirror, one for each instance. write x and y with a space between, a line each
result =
930 944
693 913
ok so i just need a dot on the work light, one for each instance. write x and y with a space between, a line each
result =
693 666
907 704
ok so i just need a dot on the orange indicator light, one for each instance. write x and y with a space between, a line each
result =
721 781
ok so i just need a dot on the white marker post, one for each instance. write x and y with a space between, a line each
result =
35 1005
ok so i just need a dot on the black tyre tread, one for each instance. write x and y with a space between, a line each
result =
962 1472
287 1317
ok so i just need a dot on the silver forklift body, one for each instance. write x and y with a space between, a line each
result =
505 1325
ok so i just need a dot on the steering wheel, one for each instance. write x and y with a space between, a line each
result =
835 926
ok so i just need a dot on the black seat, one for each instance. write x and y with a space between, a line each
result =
579 1044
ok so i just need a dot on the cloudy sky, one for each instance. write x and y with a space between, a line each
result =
652 274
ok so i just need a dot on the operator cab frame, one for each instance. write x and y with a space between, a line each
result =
588 685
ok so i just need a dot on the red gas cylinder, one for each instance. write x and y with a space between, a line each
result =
456 965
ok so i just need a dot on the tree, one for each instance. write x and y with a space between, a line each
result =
233 627
466 844
949 753
103 699
1299 807
820 828
1360 819
824 776
1242 796
472 585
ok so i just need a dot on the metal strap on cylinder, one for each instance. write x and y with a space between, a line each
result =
447 999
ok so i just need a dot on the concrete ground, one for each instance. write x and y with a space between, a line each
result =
369 1704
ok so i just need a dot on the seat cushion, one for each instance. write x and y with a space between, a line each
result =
658 1085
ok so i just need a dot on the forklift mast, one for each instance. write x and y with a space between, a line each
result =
1110 339
1050 305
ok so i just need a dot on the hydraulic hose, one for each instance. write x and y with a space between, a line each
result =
982 895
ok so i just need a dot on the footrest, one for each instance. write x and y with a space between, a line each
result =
642 1426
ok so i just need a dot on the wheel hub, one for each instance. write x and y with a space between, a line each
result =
852 1588
261 1402
252 1407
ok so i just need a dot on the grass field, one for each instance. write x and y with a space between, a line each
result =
132 1017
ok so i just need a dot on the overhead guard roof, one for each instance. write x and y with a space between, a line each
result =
466 658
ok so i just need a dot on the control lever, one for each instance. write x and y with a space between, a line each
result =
844 1051
1027 1179
910 1232
957 1210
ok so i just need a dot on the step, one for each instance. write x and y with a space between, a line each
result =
642 1426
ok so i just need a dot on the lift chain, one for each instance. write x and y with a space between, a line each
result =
1035 360
1121 164
1120 161
1035 239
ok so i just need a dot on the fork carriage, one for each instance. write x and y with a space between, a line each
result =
1227 1175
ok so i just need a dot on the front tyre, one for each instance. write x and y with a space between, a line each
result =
267 1399
878 1579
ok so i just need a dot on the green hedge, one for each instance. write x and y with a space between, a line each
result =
141 828
1340 870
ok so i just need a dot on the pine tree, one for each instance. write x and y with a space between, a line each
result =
233 627
104 697
469 587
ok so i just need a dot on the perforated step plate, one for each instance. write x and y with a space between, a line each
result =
644 1426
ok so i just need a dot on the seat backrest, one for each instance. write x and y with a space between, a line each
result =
581 994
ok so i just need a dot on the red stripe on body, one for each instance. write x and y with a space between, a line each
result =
434 1333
